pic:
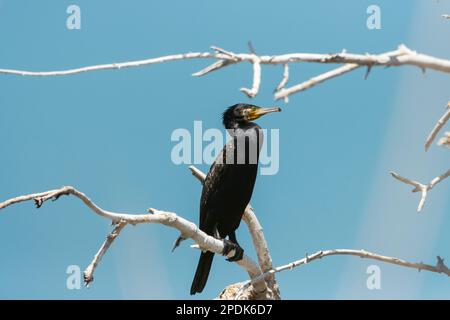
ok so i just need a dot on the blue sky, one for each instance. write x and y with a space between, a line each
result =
108 134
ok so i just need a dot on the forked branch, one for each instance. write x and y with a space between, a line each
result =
423 188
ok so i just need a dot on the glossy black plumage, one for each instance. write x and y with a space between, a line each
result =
228 186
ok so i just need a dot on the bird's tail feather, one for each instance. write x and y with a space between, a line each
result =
202 272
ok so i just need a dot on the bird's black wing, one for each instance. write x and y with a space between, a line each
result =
212 188
210 194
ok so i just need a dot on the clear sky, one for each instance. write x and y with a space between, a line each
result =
108 134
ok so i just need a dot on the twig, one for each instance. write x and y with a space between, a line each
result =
385 58
251 48
89 272
423 188
285 93
284 81
401 56
441 122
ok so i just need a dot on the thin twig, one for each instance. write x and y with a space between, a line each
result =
423 188
441 122
285 93
284 81
89 272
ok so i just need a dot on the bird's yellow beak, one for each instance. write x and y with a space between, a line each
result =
259 112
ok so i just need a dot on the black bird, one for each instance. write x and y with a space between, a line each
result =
229 183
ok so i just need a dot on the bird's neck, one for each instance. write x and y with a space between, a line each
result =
231 123
233 126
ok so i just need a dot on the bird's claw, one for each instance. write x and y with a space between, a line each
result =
229 246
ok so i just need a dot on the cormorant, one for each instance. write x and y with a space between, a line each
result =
228 186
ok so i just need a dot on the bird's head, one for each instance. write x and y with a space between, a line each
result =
242 113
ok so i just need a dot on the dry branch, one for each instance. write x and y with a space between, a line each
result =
256 287
441 122
89 272
440 266
285 93
400 57
423 188
186 228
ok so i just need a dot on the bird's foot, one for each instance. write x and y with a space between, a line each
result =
229 246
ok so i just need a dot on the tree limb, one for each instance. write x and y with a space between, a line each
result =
440 266
401 56
88 274
170 219
285 93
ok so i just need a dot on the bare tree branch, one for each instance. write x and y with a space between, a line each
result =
170 219
285 93
401 56
423 188
440 267
206 242
441 122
